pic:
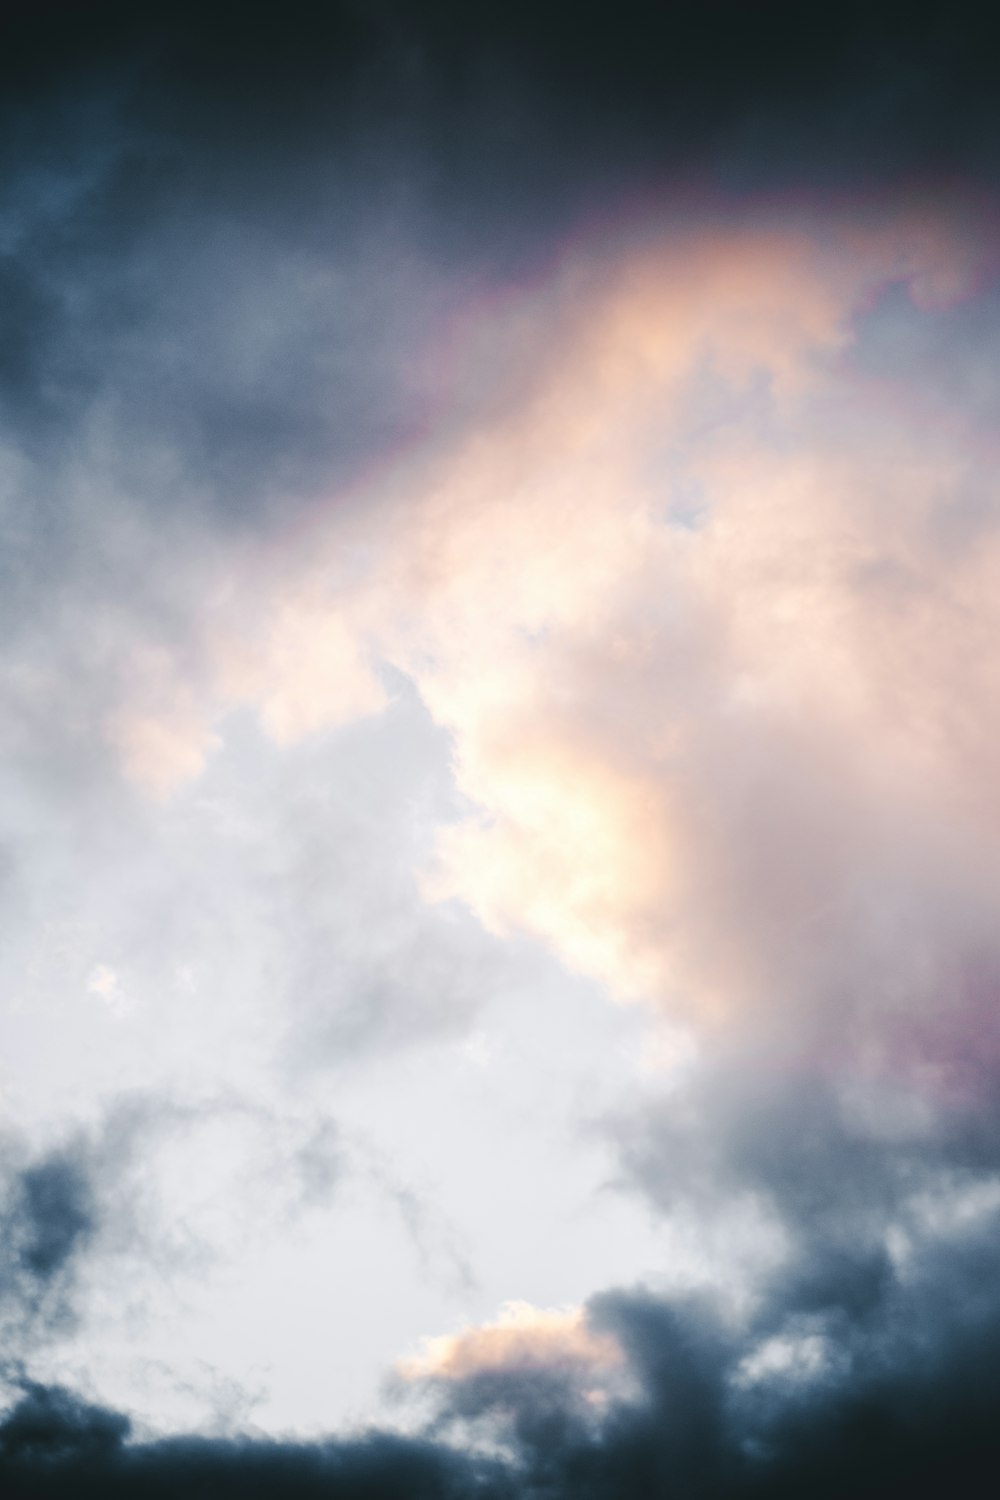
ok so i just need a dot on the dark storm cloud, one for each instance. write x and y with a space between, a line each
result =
537 87
200 351
227 235
855 1371
228 240
52 1444
864 1362
918 1410
903 1395
211 298
906 1402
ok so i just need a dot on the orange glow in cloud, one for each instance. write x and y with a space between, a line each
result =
523 1338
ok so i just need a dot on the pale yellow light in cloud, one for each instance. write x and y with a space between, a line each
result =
570 847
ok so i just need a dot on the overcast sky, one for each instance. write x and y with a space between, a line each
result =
499 706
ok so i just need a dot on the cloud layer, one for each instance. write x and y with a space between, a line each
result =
498 833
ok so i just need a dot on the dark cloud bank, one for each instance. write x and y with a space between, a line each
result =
226 228
859 1368
917 1416
230 234
174 184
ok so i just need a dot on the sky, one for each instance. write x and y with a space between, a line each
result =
499 705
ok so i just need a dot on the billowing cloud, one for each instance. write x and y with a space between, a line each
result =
498 520
692 621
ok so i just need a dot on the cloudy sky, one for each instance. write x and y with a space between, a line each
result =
499 708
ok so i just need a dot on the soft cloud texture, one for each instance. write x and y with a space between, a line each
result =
499 521
754 689
523 1337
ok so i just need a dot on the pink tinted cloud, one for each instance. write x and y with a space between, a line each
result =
742 765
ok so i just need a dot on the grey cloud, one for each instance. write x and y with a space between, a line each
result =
369 966
53 1444
49 1220
230 242
58 1215
88 1212
864 1361
226 245
905 1396
835 1172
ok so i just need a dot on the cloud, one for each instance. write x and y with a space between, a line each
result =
823 1395
55 1207
524 1338
412 550
50 1218
53 1444
710 761
828 1393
